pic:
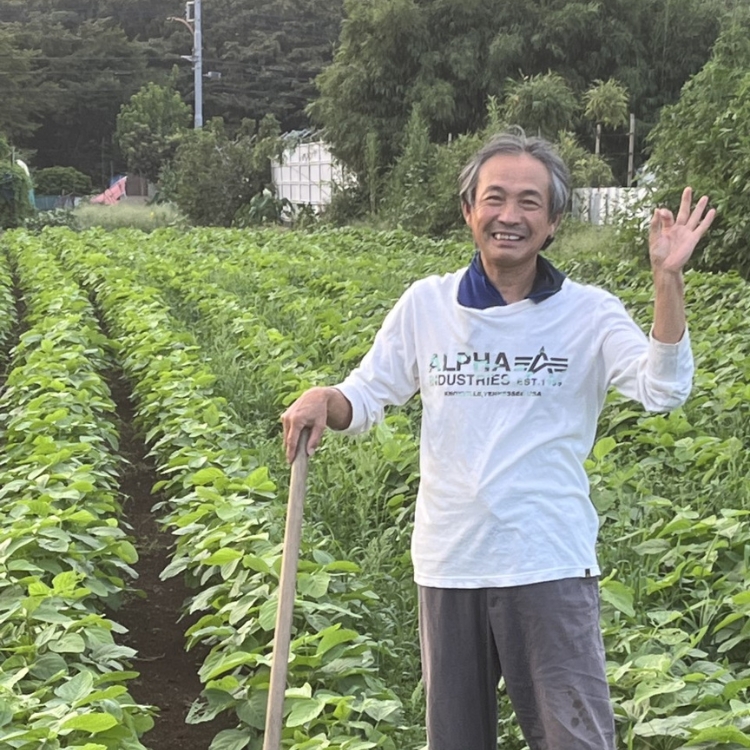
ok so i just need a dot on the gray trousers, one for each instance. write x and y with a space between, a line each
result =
543 638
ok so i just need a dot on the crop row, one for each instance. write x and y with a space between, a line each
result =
221 509
63 556
7 310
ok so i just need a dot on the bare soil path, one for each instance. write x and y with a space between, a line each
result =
168 674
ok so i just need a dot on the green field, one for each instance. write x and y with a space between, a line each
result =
215 332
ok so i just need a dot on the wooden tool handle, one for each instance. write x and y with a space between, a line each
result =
287 588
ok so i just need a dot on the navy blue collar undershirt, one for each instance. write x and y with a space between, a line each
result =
475 289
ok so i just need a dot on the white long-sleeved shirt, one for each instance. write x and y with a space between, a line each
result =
511 396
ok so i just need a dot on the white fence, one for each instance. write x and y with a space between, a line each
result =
607 205
306 175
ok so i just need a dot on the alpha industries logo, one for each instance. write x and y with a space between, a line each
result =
484 362
525 374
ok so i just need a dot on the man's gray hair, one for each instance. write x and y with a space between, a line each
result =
515 142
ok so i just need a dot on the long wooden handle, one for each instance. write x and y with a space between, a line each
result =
287 587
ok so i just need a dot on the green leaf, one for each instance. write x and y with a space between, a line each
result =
253 711
652 547
70 643
380 710
127 552
650 688
231 661
76 688
93 723
6 713
222 557
333 636
305 710
721 735
603 447
48 665
267 614
230 739
313 586
618 595
207 476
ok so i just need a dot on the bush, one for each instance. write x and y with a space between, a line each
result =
15 197
213 176
62 181
59 217
704 141
263 208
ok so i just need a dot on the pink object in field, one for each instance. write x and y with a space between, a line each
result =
113 193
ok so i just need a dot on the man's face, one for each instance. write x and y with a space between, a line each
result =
510 216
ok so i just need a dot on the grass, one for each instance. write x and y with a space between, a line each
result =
147 218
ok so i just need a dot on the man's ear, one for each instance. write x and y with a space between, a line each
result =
466 211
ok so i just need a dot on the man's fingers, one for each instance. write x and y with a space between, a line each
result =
708 219
661 220
684 213
697 216
316 435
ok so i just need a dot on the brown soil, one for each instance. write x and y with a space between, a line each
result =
168 674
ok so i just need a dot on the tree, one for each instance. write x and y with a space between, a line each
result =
606 103
268 52
448 56
85 72
21 105
543 104
704 141
62 181
149 128
586 169
15 196
214 175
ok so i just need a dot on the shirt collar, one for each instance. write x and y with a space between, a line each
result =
476 290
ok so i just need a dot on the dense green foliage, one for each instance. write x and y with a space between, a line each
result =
149 128
67 66
217 330
448 56
61 181
214 175
704 141
64 558
264 315
421 191
15 200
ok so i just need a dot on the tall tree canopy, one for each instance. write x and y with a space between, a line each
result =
448 56
67 66
149 128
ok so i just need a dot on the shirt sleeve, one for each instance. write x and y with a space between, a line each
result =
657 375
388 374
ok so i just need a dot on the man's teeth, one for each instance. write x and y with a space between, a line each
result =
506 236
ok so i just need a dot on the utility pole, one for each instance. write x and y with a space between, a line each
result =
198 62
194 22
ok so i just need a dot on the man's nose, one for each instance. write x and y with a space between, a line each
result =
508 213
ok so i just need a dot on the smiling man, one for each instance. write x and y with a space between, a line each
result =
513 362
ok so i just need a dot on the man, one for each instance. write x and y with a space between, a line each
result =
513 362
